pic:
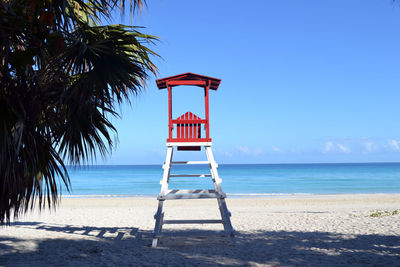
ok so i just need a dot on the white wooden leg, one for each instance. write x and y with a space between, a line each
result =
213 168
164 188
225 215
167 169
158 226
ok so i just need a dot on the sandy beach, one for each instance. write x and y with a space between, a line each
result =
332 230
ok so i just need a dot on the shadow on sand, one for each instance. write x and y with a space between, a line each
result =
130 246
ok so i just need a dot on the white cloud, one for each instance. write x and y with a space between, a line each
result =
257 151
246 150
343 148
228 154
243 149
369 146
275 148
394 144
335 147
328 146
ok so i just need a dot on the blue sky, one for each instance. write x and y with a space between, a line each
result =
302 81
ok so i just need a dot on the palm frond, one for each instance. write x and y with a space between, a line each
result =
61 78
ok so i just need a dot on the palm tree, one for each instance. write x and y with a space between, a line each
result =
62 75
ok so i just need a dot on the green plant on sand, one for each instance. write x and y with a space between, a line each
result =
62 75
381 213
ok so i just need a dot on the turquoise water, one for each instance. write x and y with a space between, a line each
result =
249 179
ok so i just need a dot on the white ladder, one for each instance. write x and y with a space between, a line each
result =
167 194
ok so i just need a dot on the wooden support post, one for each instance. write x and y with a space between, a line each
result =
159 216
170 125
158 227
225 214
207 125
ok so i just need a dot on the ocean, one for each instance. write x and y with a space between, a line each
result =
239 179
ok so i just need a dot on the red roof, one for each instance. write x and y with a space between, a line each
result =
188 76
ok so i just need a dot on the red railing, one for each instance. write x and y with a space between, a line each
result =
188 129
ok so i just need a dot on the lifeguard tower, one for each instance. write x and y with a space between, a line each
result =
185 133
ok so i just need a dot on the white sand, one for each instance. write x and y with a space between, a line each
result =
281 231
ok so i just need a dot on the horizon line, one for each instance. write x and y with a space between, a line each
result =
293 163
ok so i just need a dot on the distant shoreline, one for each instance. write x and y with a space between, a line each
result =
287 163
261 196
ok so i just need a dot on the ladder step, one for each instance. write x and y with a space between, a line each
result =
191 194
190 162
192 233
190 221
190 191
190 175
